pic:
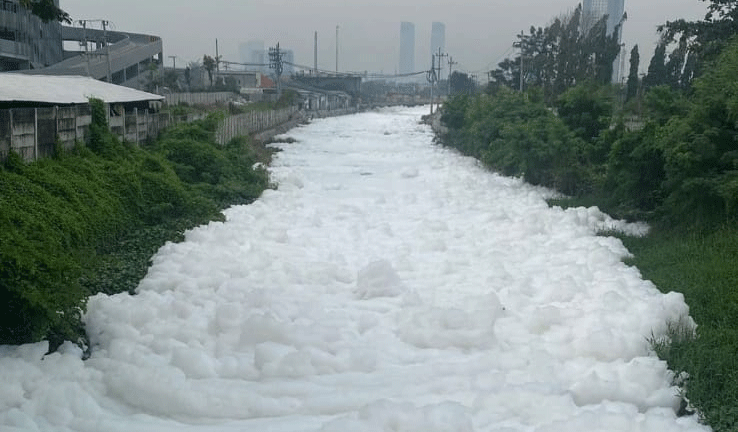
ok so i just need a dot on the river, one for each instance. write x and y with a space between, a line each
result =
387 284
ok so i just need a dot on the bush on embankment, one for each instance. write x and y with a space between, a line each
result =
680 168
88 220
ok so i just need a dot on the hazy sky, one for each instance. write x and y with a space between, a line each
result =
479 33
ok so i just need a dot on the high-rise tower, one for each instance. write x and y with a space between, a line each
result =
253 52
438 37
593 11
407 47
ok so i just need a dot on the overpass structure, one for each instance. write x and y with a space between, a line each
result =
118 57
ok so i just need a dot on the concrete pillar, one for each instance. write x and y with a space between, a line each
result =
11 129
35 134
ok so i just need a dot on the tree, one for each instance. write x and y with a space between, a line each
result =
209 64
561 55
188 76
675 66
700 147
706 38
657 67
633 81
46 10
461 83
586 109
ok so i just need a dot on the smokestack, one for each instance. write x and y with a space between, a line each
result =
336 49
315 68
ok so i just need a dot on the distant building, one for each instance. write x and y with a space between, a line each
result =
25 41
438 38
253 52
593 11
407 47
288 56
243 79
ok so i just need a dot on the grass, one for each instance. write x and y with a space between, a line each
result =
703 266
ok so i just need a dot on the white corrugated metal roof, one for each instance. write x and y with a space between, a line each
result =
64 90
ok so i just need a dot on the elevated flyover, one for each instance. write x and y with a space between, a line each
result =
125 58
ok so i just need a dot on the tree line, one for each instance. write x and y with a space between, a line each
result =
662 147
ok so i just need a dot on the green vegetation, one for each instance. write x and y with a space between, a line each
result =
663 149
46 10
704 267
289 98
89 220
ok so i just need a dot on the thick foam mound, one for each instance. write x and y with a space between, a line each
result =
386 285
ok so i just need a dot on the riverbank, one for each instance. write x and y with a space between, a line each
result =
89 220
702 265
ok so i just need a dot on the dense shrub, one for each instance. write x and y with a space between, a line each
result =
88 220
518 135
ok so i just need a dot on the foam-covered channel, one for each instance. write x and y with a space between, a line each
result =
388 284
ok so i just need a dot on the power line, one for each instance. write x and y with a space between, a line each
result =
244 64
353 74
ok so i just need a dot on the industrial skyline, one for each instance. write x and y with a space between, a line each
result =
479 33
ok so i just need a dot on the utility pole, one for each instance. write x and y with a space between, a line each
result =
451 64
275 62
432 77
440 57
217 57
87 45
520 45
107 49
174 62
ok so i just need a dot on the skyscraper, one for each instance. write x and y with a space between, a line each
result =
593 11
407 47
438 38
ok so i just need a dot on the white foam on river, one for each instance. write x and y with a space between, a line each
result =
387 285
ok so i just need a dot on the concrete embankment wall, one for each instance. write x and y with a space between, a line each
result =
302 117
33 132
